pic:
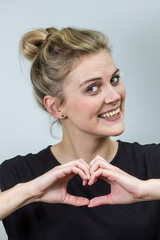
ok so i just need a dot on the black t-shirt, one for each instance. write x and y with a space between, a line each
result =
42 221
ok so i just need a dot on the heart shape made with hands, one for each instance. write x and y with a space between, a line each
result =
56 186
124 188
99 168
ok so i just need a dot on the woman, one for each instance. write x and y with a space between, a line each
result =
51 194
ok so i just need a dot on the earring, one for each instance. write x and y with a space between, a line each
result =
62 116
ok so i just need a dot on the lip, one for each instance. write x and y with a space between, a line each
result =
111 110
112 119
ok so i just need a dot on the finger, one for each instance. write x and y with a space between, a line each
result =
95 175
76 161
107 175
97 158
85 182
75 200
126 181
96 166
97 201
92 180
65 167
74 170
84 162
80 164
102 163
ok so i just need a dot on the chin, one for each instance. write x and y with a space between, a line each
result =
117 134
117 131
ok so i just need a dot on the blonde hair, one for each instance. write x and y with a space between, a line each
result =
53 53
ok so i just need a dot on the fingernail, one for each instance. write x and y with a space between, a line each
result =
89 183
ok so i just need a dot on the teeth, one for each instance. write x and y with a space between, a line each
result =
110 114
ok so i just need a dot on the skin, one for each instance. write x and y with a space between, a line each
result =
84 102
93 88
98 96
50 187
85 135
125 189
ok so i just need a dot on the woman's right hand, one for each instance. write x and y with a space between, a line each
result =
51 187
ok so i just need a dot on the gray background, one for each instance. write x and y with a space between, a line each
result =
133 28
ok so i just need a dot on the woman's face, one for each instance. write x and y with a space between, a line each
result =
95 96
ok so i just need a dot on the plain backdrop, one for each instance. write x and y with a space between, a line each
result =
133 28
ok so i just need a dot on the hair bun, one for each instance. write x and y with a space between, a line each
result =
31 43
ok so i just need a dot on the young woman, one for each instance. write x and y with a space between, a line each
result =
63 192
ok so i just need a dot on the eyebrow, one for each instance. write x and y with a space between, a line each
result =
93 79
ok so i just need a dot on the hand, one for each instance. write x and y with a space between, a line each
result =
51 187
124 187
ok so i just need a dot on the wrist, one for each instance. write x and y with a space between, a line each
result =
151 189
28 194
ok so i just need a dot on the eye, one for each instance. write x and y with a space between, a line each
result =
115 80
93 88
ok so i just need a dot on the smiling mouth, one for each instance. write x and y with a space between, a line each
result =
110 114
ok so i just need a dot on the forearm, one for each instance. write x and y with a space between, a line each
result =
13 199
151 189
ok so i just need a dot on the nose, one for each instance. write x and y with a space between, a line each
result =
112 96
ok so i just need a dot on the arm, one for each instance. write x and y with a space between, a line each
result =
125 188
13 199
51 187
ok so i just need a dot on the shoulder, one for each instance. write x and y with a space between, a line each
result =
143 159
25 168
29 159
141 149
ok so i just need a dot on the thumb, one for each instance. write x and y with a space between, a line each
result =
75 200
106 199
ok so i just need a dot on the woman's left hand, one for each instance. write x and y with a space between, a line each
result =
124 187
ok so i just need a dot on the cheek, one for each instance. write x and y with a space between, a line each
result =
84 106
74 106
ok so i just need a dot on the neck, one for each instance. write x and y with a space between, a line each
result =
86 147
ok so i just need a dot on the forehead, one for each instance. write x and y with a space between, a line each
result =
91 66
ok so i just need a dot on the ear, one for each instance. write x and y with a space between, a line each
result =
53 106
